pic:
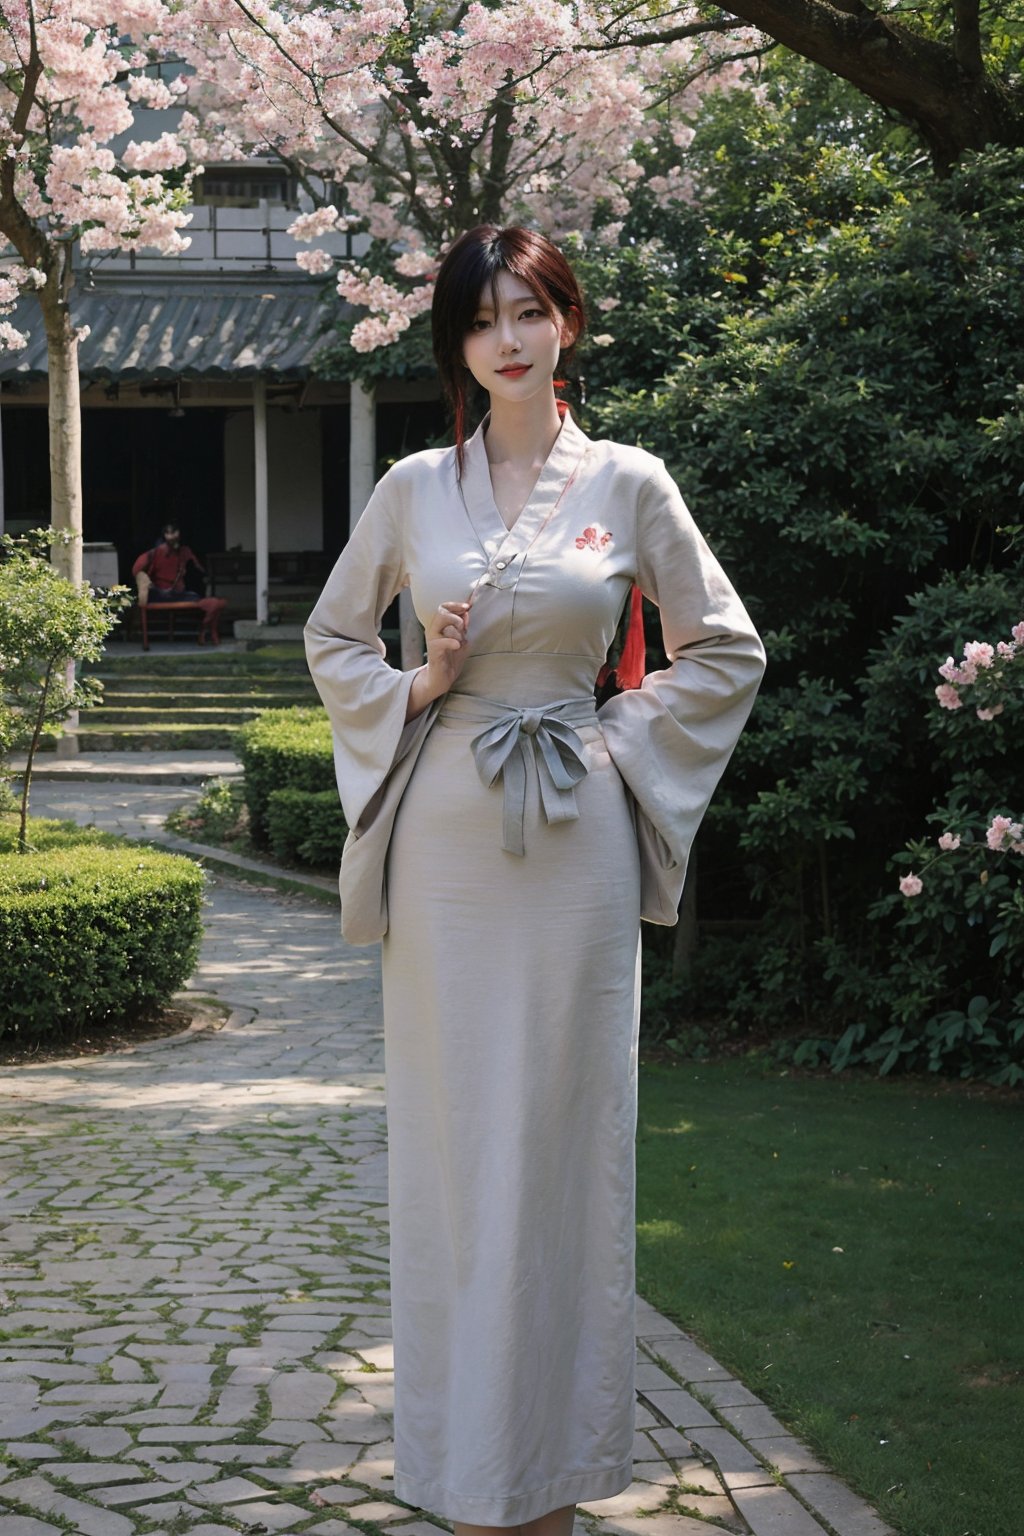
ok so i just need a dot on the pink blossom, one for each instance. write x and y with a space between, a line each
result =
989 713
949 842
1018 632
162 154
911 885
416 264
311 226
979 653
1005 650
11 340
1003 830
948 696
315 261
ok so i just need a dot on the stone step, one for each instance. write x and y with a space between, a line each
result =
102 717
212 661
150 738
114 698
126 688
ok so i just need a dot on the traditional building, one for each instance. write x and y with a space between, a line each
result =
203 402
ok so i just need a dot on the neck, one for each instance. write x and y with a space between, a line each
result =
522 432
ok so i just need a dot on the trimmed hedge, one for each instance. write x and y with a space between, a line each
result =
306 825
284 749
90 930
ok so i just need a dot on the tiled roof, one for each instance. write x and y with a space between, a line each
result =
189 328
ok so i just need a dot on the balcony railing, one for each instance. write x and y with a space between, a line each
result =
230 239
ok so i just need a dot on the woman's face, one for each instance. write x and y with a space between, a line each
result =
514 353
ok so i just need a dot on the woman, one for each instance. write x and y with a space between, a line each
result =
530 833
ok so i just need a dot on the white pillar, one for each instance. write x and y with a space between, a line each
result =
362 452
259 426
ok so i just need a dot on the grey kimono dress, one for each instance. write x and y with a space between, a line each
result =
510 961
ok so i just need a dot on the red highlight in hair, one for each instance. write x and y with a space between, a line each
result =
633 662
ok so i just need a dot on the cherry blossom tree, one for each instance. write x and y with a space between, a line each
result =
410 121
71 72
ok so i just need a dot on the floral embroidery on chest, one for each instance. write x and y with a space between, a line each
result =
595 537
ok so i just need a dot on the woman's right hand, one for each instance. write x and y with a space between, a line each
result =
447 637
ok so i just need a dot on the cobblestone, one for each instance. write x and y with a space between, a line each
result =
194 1247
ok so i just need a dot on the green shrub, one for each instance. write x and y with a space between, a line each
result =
214 815
306 825
90 929
284 749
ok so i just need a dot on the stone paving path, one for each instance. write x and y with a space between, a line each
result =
194 1323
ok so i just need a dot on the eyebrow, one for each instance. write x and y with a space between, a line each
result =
519 298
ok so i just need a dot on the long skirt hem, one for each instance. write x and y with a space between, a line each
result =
513 1509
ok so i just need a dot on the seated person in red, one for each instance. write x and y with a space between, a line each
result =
165 564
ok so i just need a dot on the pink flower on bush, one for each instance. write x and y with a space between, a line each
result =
1018 632
911 885
989 714
948 696
949 842
978 653
1003 831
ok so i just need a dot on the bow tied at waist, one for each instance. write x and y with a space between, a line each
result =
518 740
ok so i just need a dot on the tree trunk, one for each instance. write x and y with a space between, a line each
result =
65 434
65 423
26 785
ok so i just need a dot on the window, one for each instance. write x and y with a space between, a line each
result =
242 186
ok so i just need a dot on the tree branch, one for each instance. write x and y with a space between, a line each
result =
942 88
15 224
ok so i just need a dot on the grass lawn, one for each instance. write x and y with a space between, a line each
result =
900 1359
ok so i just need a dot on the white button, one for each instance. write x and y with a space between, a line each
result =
500 564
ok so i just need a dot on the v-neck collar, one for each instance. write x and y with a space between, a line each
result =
478 493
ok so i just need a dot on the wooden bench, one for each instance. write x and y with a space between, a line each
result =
147 610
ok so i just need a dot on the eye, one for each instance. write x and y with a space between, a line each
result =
479 325
529 313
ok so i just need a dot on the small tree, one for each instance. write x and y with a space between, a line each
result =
46 622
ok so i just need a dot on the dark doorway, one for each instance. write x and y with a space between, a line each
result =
142 468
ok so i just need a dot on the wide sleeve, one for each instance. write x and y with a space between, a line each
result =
672 737
365 697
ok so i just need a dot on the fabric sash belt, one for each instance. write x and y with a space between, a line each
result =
517 738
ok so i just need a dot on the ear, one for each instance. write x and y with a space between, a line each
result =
569 328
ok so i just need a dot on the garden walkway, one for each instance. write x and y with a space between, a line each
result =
194 1325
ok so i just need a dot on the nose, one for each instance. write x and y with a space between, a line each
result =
508 341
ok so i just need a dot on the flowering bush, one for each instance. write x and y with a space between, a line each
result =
995 675
987 671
